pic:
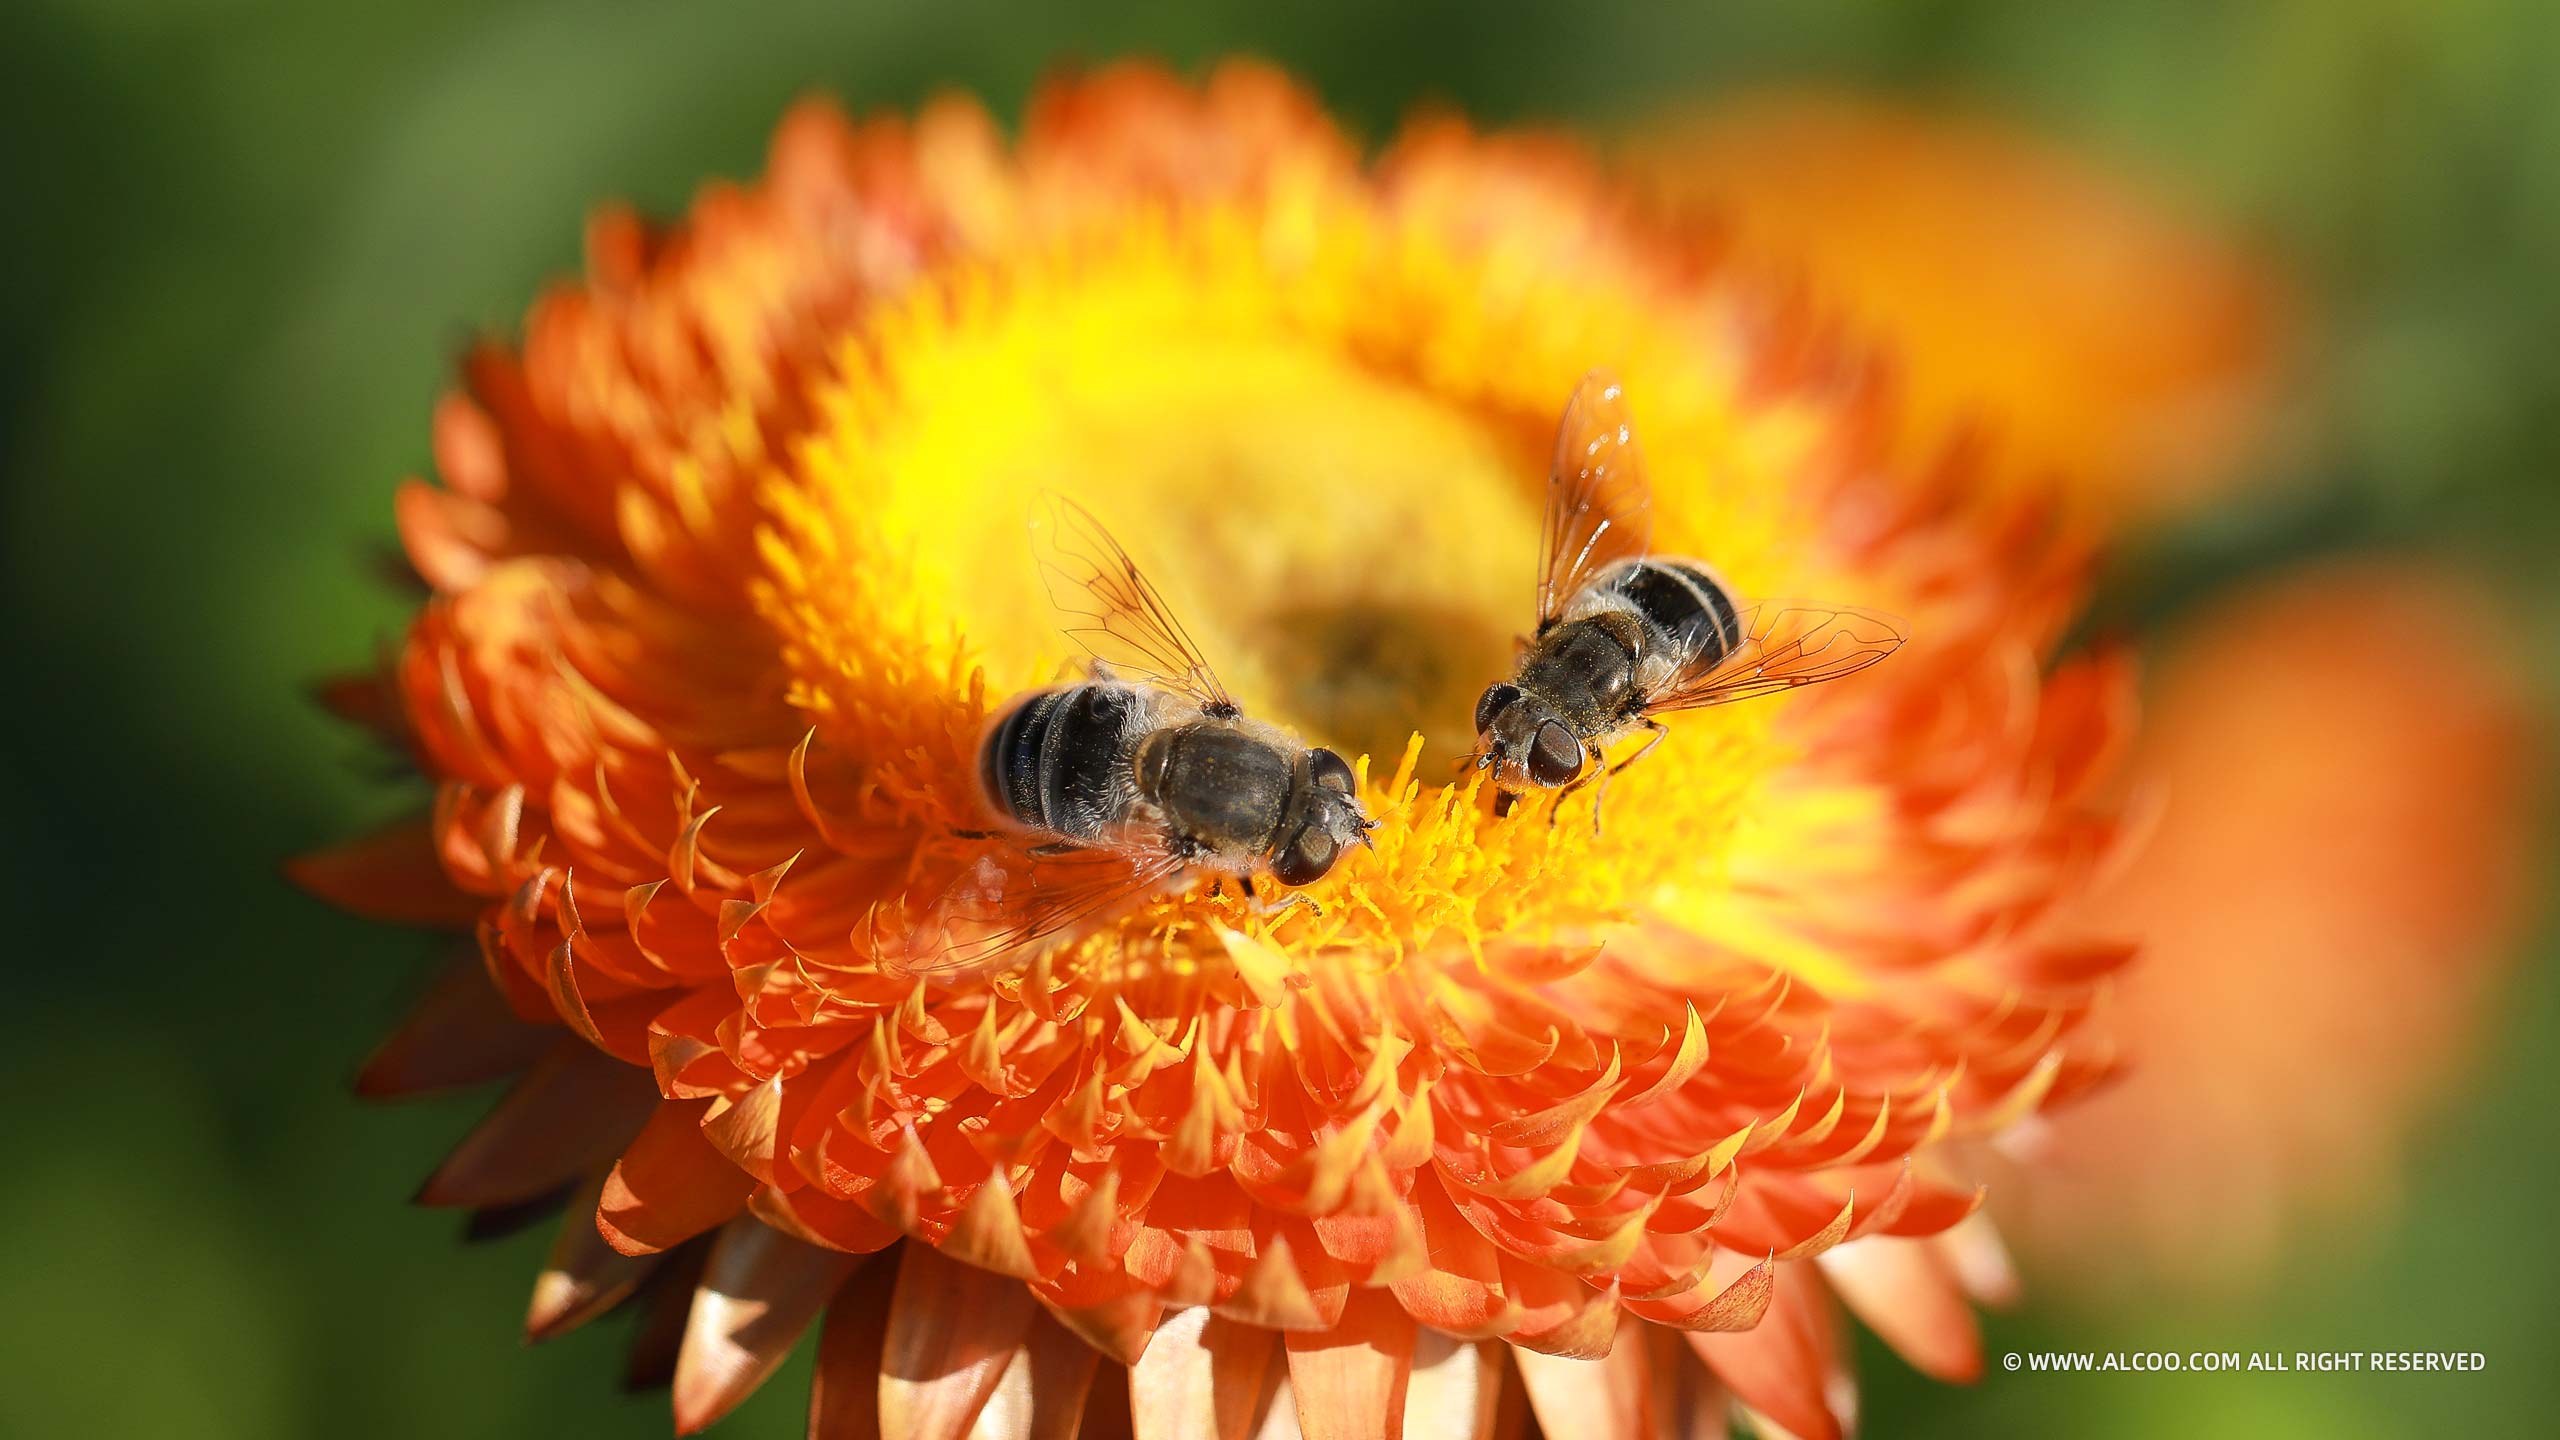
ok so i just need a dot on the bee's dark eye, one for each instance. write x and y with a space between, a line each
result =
1496 696
1330 771
1554 755
1304 860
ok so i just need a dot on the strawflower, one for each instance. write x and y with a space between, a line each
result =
2359 859
2099 348
729 570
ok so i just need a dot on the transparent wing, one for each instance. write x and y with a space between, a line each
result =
1111 609
1015 895
1785 644
1597 496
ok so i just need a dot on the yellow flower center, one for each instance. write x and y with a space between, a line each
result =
1323 431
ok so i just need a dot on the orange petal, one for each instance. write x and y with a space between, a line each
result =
1456 1391
952 1331
665 1304
1560 1315
988 1232
811 1215
1905 1293
1274 1294
1460 1289
1113 1313
670 1185
392 875
1610 1397
1979 1259
449 536
562 1121
1725 1298
368 699
1350 1381
759 1291
1787 1367
1688 1402
844 1394
461 1032
584 1277
742 1128
1041 1395
1203 1377
1106 1405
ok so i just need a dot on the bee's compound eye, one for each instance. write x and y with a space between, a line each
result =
1554 755
1304 860
1497 697
1331 771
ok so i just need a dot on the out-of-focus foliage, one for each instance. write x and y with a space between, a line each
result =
248 237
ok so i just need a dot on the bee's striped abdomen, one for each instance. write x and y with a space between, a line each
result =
1058 760
1688 608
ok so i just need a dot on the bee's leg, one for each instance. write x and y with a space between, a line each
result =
1503 800
1589 774
1246 881
1289 902
1054 847
1598 775
1660 732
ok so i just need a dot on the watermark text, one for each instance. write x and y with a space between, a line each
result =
2153 1362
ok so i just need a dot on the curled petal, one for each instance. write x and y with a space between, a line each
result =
1788 1367
1610 1398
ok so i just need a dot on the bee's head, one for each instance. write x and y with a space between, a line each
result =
1333 822
1522 741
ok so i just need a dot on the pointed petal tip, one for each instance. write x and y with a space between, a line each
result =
555 1296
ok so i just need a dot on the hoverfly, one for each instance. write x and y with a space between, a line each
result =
1625 636
1112 786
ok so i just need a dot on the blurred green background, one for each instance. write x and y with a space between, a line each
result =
251 236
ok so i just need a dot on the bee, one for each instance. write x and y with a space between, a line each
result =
1112 786
1625 636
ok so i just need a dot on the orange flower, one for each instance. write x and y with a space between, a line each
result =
2348 844
729 571
2076 328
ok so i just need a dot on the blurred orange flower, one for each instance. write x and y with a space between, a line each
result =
2353 770
2073 323
725 577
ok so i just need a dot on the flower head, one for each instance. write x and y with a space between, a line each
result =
2081 332
2358 857
729 572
